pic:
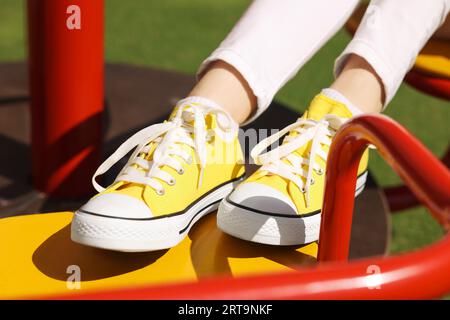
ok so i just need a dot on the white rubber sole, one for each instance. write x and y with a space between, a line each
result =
270 229
140 235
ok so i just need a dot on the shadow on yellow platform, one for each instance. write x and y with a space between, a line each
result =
37 255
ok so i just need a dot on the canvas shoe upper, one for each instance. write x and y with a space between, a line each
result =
281 202
179 171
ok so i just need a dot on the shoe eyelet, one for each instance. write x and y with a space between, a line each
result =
320 172
189 160
160 192
303 190
180 171
171 182
312 181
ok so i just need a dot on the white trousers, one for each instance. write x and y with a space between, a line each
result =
275 38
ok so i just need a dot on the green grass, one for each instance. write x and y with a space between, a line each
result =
179 34
12 30
176 34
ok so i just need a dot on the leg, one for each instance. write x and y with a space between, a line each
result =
281 203
384 48
233 93
266 48
359 82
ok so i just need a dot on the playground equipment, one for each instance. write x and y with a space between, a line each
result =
39 250
415 275
66 81
42 259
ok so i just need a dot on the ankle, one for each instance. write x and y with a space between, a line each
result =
224 85
339 97
361 85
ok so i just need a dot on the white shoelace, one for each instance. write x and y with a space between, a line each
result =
170 136
318 132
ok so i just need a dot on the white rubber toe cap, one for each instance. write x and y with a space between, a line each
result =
261 197
117 206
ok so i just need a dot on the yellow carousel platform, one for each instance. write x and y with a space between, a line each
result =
38 258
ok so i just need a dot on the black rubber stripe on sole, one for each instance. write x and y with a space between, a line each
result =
170 214
306 215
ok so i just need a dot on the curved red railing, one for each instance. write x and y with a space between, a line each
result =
424 174
420 274
401 198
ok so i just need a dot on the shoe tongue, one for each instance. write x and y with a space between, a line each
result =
319 107
322 105
209 123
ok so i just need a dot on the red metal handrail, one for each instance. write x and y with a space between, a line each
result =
425 175
401 197
420 274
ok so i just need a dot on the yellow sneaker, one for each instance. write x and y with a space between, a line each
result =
280 203
179 171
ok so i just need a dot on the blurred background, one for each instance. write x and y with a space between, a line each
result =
177 35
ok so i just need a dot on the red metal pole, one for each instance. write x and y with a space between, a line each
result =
423 173
66 85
